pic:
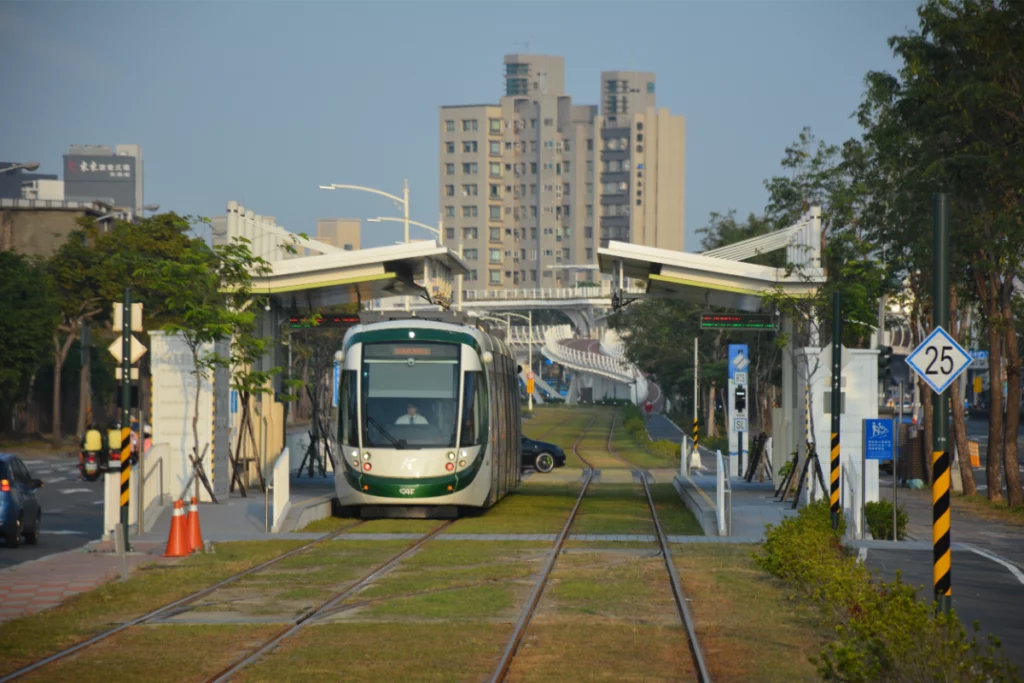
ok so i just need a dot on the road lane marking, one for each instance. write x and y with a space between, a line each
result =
67 491
64 532
54 481
1017 573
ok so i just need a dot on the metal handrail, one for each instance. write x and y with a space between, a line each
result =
159 463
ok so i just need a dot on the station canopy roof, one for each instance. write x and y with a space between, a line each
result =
349 276
705 279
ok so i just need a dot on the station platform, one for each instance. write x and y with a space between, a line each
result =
753 504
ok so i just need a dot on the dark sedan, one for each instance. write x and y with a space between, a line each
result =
540 455
20 513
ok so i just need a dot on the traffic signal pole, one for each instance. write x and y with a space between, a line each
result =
941 540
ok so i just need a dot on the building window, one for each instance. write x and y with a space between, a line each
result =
495 255
548 122
495 148
495 125
449 211
495 170
590 210
567 168
495 213
590 254
449 233
469 147
495 192
547 274
650 88
495 277
469 169
449 127
590 189
547 252
533 212
566 253
449 190
639 149
533 145
533 276
469 212
449 148
533 123
495 235
590 144
588 232
470 233
469 190
533 236
566 187
639 137
469 254
468 125
449 169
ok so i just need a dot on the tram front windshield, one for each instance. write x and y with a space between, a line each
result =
410 395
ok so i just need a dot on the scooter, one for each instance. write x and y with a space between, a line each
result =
91 465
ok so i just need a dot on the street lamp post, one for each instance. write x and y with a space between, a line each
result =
439 231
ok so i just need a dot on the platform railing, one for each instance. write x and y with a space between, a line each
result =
723 490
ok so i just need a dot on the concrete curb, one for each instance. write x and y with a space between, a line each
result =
692 500
299 516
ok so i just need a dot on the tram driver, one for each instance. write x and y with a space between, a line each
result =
412 417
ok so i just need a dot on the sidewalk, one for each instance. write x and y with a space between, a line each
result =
753 504
44 583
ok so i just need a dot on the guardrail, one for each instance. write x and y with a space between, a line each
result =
723 491
548 293
278 477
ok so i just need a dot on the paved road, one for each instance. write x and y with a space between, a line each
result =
72 510
659 427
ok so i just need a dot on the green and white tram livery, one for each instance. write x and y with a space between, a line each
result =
429 419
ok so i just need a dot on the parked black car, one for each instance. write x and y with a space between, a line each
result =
540 455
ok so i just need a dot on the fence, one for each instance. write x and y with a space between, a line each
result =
723 490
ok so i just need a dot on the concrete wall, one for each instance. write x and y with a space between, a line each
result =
36 232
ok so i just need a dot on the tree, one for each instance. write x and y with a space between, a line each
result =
28 321
209 298
951 120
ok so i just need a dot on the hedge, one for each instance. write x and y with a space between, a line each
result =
882 631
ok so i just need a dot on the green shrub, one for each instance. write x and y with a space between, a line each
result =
718 443
665 448
879 518
883 632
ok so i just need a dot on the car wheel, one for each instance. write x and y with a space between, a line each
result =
14 539
544 462
32 537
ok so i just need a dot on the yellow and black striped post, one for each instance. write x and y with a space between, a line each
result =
837 404
126 417
941 545
696 434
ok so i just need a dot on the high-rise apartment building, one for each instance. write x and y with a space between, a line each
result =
532 186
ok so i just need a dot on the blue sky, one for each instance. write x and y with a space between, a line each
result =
261 102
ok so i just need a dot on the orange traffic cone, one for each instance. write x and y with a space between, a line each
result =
177 539
195 536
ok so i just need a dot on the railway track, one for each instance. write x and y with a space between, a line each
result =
170 608
534 600
324 609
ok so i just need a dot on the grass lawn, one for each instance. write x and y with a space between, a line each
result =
532 509
158 653
372 652
29 638
675 518
327 525
981 506
749 629
397 526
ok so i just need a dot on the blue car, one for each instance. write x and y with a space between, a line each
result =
20 513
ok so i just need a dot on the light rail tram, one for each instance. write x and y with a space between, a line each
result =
429 417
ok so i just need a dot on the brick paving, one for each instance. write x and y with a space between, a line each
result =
47 582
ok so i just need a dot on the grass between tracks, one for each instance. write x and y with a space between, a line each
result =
29 638
749 628
158 654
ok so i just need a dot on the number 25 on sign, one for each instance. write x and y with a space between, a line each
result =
939 360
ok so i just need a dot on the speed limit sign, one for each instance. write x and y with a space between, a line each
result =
939 360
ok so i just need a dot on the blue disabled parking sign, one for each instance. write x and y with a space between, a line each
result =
878 439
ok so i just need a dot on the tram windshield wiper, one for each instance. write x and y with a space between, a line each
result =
387 435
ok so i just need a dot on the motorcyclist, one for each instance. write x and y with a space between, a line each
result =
92 442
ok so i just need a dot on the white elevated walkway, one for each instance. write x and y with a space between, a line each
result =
597 364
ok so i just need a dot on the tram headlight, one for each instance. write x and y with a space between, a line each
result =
366 456
463 453
451 456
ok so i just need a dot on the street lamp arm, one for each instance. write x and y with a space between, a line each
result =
382 193
402 220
